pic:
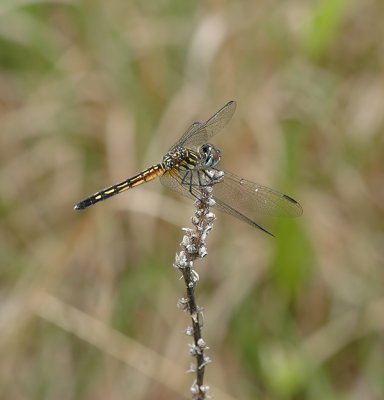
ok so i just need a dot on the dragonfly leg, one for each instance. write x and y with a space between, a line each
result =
199 178
184 178
187 179
191 184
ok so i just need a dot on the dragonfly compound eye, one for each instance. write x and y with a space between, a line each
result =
210 156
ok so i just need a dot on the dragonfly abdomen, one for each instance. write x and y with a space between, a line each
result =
147 175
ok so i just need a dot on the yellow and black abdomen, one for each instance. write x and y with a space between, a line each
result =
147 175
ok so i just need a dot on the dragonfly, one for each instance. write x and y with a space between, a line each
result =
190 159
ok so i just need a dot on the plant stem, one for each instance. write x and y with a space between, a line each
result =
193 246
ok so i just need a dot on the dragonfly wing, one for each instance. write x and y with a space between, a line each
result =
223 206
189 132
190 188
172 180
252 199
200 133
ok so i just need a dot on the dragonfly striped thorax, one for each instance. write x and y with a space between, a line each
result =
183 159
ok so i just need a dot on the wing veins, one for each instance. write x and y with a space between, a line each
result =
200 134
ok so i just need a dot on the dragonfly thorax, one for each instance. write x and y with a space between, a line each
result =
210 156
181 158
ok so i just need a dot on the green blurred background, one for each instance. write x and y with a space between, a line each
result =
93 91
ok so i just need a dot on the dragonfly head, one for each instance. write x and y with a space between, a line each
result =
210 156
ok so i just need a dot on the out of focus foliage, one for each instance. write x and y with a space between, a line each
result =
93 91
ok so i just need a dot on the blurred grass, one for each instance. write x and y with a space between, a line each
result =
92 92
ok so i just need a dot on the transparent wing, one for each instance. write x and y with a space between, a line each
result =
199 133
193 129
172 180
238 197
253 200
